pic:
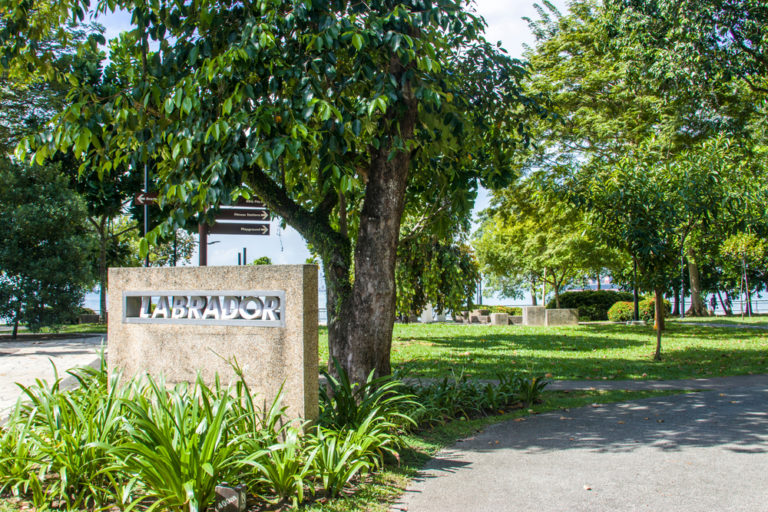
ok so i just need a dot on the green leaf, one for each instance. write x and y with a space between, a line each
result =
143 248
357 41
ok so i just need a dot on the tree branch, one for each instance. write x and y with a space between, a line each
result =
313 226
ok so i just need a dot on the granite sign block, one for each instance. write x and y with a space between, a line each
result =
179 321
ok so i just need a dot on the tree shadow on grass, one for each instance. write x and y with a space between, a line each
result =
692 362
512 341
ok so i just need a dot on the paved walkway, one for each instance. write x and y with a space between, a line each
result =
728 326
695 452
25 360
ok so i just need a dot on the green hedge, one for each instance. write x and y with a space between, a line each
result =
624 311
592 304
510 310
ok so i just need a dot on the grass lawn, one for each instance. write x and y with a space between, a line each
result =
62 329
736 319
78 329
591 351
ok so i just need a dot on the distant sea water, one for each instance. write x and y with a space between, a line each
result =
92 301
759 304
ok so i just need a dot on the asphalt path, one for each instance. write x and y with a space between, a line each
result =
694 452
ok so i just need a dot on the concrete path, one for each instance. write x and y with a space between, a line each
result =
25 360
696 452
727 326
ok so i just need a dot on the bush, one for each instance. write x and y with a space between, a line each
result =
592 304
463 397
621 312
648 309
510 310
624 311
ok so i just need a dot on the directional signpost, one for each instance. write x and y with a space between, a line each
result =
245 217
235 228
145 198
243 214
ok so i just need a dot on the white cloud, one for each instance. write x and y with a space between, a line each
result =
506 24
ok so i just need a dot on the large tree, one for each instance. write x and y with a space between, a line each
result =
43 244
326 110
527 237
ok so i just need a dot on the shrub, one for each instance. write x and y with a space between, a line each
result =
621 312
592 304
460 396
142 446
178 443
69 433
648 309
345 404
510 310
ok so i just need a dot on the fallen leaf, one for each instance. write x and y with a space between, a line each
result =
587 488
621 423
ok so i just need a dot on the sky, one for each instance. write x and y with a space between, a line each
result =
286 246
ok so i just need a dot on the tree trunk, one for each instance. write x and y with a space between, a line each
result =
697 303
361 308
16 320
722 304
533 293
676 303
364 339
102 271
556 289
598 280
728 305
659 314
748 300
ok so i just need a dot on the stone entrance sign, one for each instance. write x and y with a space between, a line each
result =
179 321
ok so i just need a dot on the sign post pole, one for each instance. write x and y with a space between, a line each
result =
202 231
146 209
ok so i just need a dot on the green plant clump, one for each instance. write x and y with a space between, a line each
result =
459 396
648 309
592 304
621 312
141 445
510 310
624 311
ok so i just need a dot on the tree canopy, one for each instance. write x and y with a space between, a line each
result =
43 244
329 111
